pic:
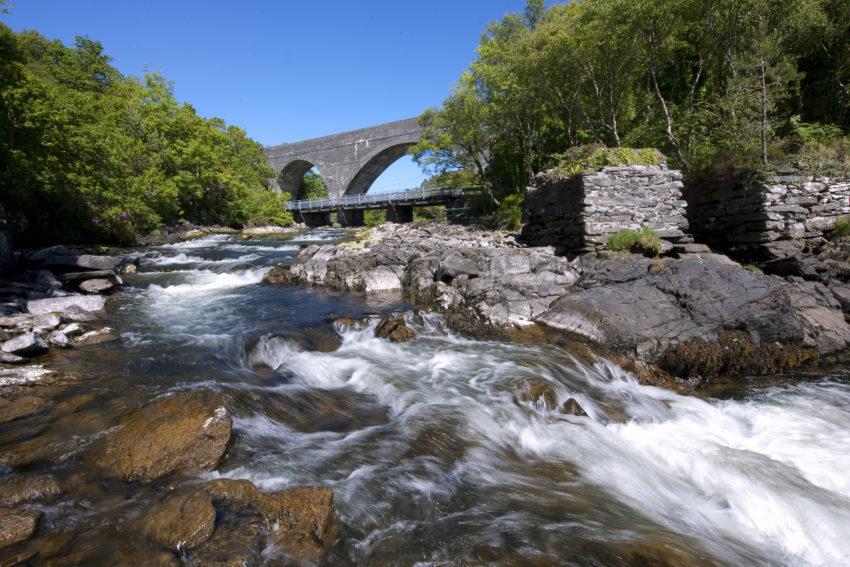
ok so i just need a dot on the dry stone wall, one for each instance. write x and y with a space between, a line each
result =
580 212
778 218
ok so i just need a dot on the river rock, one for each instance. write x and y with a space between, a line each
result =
302 520
128 264
479 277
572 407
185 432
97 336
20 489
394 329
85 261
91 304
28 344
539 392
25 375
237 541
278 275
17 525
97 285
8 358
181 521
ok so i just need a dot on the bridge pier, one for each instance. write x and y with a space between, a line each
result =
350 217
314 220
400 213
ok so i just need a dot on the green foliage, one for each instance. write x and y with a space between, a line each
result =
710 84
643 241
842 228
436 213
817 149
509 212
312 186
374 217
586 159
87 154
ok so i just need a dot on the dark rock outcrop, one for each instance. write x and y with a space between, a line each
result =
644 307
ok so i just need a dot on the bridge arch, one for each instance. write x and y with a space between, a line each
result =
289 178
372 169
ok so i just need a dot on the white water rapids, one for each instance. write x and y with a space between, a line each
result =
459 464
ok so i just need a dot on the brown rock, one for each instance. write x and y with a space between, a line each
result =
185 432
182 521
301 520
16 525
394 329
540 392
28 489
572 407
98 336
239 491
278 275
237 540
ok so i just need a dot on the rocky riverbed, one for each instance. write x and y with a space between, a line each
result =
692 312
414 407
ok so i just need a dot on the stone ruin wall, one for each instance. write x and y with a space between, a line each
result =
782 217
580 212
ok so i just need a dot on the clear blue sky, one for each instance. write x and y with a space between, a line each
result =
283 70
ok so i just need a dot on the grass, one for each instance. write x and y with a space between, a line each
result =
842 228
643 241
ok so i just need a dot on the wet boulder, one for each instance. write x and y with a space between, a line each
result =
394 329
302 521
97 336
27 344
186 432
181 521
92 304
99 285
278 275
17 525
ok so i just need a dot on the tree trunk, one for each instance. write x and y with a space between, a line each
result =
764 99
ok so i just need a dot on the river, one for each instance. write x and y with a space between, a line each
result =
431 458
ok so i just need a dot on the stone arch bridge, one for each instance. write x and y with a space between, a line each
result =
350 162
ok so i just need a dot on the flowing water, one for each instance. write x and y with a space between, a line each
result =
431 458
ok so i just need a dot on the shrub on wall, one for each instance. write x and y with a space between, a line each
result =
643 241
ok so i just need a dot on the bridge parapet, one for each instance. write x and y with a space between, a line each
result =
410 197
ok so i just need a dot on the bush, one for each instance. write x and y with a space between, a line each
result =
509 212
587 159
643 241
436 213
374 217
817 149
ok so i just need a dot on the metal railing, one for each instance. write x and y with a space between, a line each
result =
367 200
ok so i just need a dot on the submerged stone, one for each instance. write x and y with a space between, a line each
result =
17 525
